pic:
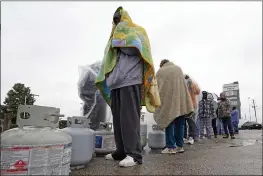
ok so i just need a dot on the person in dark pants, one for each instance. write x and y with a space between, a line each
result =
125 106
214 126
127 81
235 119
194 91
224 112
214 118
191 130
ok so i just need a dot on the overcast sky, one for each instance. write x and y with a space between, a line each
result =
44 43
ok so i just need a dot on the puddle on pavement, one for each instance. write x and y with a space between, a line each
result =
246 143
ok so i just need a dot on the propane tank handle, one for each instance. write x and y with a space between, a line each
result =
103 125
69 121
155 127
79 122
109 126
57 115
38 116
106 126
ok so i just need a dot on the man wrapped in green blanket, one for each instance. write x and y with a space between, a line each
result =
127 81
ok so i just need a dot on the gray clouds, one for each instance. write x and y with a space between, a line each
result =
214 42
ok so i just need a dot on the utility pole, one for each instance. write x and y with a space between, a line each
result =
254 106
245 116
249 108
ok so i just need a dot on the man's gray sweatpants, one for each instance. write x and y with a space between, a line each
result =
126 107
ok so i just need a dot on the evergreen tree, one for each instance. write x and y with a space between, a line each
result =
17 96
2 111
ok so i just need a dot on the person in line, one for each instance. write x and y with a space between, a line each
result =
220 129
194 91
197 121
214 117
176 104
127 81
235 119
205 113
224 112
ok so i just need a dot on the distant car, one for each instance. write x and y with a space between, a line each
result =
251 126
241 122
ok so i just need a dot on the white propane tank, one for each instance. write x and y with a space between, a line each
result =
36 147
104 139
143 131
156 138
82 140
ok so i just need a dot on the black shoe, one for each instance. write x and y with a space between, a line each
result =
233 137
215 136
226 136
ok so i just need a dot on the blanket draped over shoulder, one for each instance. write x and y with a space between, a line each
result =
194 91
128 34
174 94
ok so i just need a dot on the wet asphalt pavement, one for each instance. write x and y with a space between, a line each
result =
241 156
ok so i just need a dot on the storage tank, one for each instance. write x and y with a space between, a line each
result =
36 147
82 140
143 130
104 139
156 138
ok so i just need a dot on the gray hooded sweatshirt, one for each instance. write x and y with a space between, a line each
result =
128 69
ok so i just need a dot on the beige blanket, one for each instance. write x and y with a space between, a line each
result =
174 95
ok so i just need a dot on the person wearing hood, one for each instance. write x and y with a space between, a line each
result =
235 119
127 82
214 117
194 91
176 104
224 112
205 113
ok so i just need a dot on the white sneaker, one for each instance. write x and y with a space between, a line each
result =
127 162
109 157
179 150
190 141
185 141
168 151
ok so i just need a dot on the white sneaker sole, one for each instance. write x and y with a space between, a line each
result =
108 157
128 164
168 152
179 151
